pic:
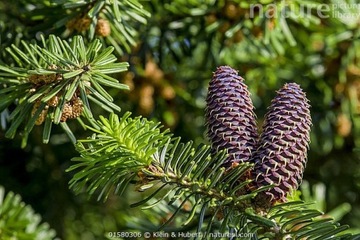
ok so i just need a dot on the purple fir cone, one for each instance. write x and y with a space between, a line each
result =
282 153
230 117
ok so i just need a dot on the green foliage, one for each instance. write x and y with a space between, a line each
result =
317 195
172 54
55 75
118 150
122 153
113 21
18 220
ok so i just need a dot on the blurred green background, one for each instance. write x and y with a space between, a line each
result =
172 57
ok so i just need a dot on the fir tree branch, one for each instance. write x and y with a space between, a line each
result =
56 81
190 177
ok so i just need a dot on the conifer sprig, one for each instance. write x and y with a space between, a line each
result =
117 151
56 82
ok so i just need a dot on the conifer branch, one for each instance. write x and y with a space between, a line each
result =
191 176
56 81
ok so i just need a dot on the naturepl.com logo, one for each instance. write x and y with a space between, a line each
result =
349 13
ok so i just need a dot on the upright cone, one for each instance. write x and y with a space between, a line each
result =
230 118
282 153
